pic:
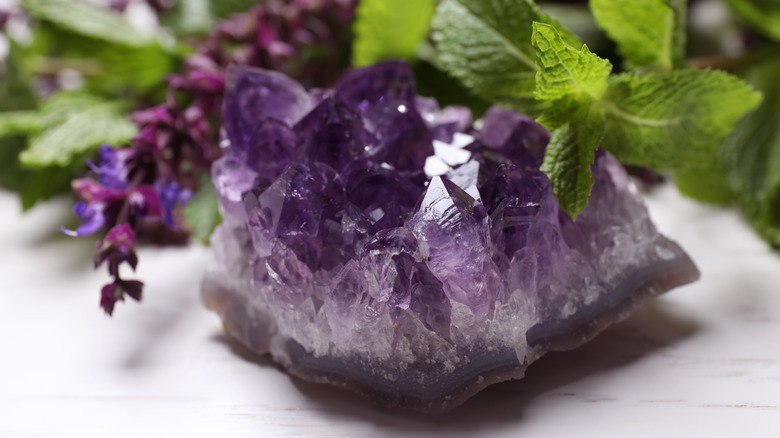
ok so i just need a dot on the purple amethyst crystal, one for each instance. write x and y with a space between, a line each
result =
377 242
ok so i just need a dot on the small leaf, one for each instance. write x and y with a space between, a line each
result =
73 124
707 182
764 15
649 33
16 90
32 185
107 67
19 122
387 30
87 19
673 121
16 94
202 211
751 154
486 44
564 70
569 156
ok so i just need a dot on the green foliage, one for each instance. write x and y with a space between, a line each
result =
673 121
388 30
751 154
202 211
564 70
573 80
18 101
43 146
666 121
650 33
486 44
569 157
764 15
108 68
19 122
191 17
706 183
89 20
72 124
226 8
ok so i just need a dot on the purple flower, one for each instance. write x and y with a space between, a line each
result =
112 168
135 191
91 191
170 197
92 219
113 292
118 248
156 115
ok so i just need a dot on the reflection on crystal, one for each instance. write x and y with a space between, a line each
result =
376 241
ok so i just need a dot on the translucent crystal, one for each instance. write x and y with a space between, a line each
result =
341 258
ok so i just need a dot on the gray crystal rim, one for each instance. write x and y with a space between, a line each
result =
652 280
484 369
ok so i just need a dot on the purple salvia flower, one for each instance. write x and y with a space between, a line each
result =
92 219
118 248
137 190
156 115
145 202
91 191
112 171
170 197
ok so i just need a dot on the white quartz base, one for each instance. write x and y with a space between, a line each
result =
704 360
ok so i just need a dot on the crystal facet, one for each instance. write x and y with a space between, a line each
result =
352 263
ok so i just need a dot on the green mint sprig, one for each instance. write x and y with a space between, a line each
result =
486 44
667 120
573 80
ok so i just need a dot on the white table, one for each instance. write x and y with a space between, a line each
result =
703 360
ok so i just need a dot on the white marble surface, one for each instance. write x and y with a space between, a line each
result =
703 360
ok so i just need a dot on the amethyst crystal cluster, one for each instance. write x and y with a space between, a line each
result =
375 241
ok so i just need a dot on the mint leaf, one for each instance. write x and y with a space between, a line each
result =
17 96
19 122
680 36
88 20
73 124
32 185
486 44
751 154
670 121
707 182
141 68
202 211
569 156
565 70
107 67
649 33
387 30
764 15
